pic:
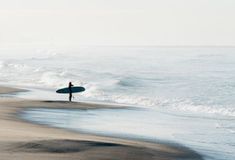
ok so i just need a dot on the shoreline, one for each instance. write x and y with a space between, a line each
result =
9 90
25 140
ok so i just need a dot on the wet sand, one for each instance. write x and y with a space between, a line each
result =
22 140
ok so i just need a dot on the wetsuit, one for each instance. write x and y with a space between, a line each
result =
70 91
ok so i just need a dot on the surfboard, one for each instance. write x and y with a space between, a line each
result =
74 90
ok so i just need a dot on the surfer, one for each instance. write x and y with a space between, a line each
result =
70 91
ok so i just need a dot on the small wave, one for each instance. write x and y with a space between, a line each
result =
7 66
46 55
2 64
204 109
176 105
127 82
231 131
52 79
22 74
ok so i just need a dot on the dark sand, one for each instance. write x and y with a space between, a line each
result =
21 140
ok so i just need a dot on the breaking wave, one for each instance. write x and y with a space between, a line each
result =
175 105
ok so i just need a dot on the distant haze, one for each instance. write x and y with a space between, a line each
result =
117 22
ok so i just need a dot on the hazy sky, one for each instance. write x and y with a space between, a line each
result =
118 22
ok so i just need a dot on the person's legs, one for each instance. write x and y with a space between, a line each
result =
70 97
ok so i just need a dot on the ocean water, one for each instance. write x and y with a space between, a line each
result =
200 80
190 86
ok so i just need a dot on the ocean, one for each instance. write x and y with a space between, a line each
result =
182 94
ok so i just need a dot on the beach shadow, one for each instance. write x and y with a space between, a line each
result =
60 146
48 101
93 150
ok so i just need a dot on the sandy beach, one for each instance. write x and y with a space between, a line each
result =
21 140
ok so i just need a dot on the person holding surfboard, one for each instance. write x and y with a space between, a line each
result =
70 91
